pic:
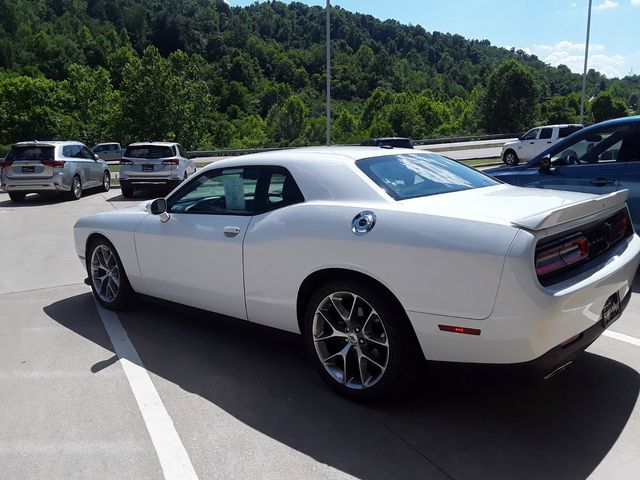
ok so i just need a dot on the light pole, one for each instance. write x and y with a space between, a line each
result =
328 74
584 72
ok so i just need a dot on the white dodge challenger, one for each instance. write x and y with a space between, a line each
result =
380 257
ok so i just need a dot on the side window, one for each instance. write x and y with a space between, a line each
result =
602 146
99 148
71 151
279 190
566 131
174 150
230 191
182 151
531 134
85 153
545 133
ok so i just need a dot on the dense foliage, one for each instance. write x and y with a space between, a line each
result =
212 75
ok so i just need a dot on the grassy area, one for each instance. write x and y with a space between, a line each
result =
482 161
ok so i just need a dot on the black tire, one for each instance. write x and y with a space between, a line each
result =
127 192
17 196
510 157
106 181
76 189
125 294
396 329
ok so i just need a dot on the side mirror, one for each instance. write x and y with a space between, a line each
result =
545 165
96 157
158 207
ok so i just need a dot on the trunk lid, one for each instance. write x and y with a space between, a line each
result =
149 161
30 161
530 208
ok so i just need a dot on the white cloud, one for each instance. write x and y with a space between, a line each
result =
607 5
635 2
572 55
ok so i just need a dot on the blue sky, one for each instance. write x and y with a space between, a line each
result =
554 30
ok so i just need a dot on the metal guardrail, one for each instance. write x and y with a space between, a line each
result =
476 138
424 141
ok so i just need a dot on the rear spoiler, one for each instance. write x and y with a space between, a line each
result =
577 210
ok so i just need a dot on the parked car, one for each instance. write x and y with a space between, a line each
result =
397 142
536 140
108 151
380 257
600 159
147 165
48 167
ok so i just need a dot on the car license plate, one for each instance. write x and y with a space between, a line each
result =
611 310
28 169
147 168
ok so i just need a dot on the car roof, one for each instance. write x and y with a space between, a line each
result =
559 125
344 154
160 144
49 143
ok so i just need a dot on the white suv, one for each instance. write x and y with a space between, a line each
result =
153 165
535 141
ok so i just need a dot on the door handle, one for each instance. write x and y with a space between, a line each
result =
602 181
231 231
531 143
549 141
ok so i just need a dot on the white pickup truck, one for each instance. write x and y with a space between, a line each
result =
535 141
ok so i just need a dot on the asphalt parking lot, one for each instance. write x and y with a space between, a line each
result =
240 401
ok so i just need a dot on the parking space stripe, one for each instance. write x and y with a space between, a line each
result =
173 457
623 338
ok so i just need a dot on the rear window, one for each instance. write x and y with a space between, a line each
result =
149 151
566 131
29 153
414 175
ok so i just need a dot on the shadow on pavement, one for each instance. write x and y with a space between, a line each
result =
561 428
40 199
139 195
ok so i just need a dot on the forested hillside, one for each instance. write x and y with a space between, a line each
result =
214 76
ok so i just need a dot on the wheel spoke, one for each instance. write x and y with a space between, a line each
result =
369 359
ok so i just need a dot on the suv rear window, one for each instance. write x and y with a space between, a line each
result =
566 131
414 175
149 151
30 152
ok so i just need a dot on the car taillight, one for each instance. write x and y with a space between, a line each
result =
170 162
6 164
53 163
126 162
618 228
562 254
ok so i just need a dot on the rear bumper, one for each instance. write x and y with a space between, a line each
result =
53 184
535 327
148 183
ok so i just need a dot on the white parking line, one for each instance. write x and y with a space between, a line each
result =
173 457
623 338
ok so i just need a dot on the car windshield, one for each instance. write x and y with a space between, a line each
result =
29 152
595 147
149 151
413 175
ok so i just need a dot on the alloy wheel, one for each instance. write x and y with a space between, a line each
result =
350 340
105 273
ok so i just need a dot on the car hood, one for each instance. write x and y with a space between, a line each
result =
503 204
501 171
510 143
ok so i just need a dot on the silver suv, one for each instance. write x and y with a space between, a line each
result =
155 165
43 167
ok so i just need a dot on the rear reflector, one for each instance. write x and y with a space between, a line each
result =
53 163
5 164
454 329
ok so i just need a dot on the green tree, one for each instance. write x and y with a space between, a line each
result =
510 101
607 106
288 121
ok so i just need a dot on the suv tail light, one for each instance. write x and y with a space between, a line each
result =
6 164
126 162
562 254
171 162
53 163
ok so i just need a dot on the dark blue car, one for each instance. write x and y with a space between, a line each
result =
599 159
